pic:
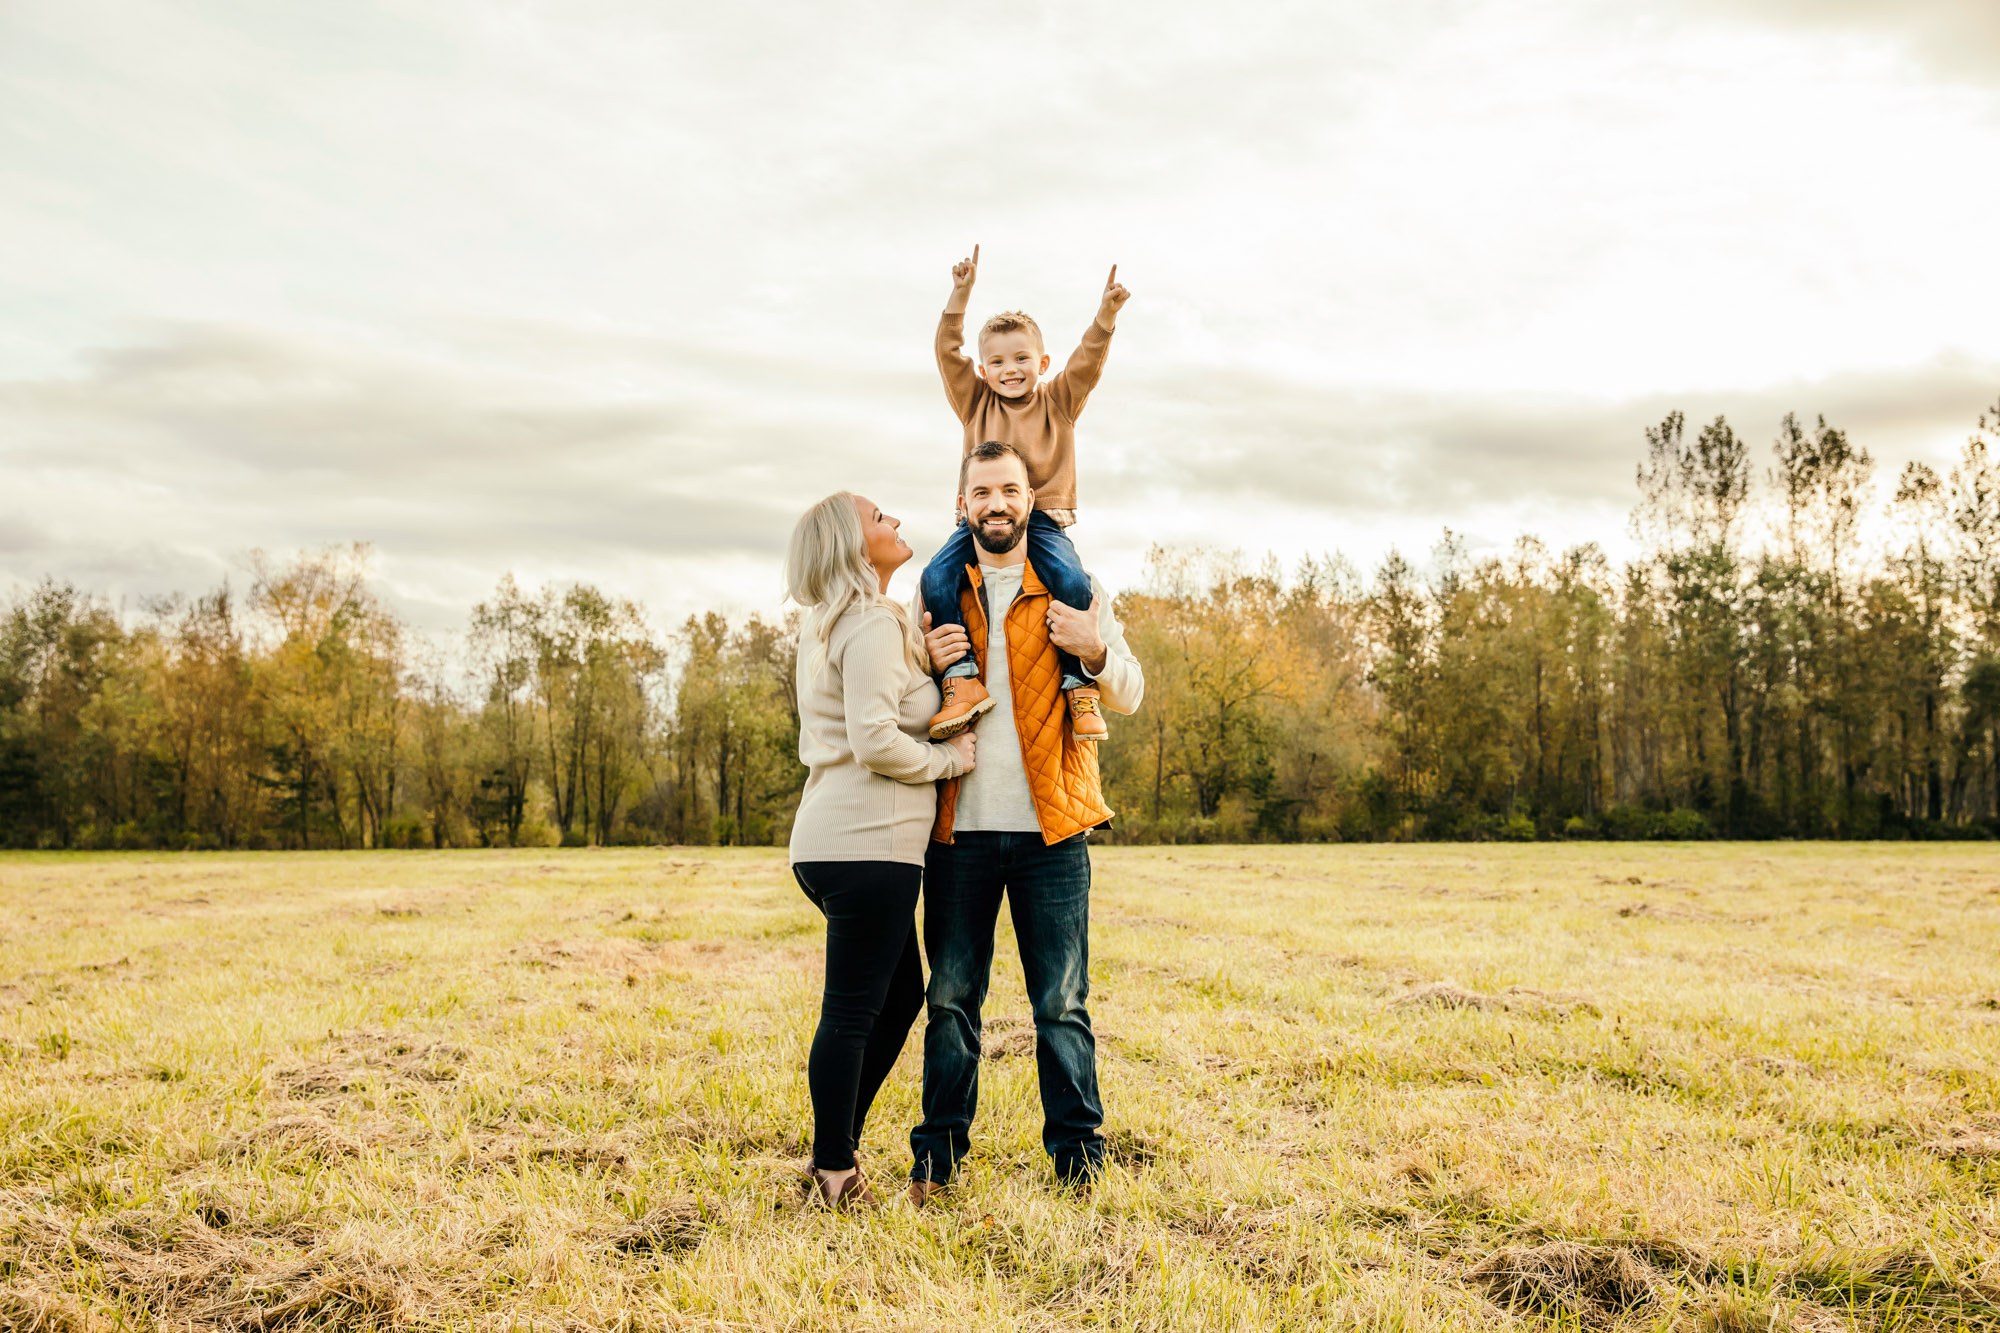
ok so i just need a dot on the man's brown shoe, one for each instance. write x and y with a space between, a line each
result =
1085 717
923 1191
964 700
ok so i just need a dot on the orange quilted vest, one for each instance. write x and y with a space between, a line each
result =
1062 771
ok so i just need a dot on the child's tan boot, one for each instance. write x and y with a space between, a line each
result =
1086 718
964 700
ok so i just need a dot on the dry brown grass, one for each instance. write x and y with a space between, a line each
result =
1594 1284
1717 1088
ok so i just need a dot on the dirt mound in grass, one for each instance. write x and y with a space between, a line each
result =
186 1275
1667 912
1592 1283
364 1057
749 1138
312 1136
1965 1147
1523 999
673 1228
510 1148
25 1310
1261 1244
1004 1038
1444 995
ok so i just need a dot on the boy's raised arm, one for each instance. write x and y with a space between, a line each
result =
1080 373
961 383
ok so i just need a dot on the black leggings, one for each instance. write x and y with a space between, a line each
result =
874 992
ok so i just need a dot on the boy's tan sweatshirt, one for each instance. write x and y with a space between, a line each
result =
1041 425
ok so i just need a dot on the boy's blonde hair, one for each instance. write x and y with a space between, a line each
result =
827 571
1010 321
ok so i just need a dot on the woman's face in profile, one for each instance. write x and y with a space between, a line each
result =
886 548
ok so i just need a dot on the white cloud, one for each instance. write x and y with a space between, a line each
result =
609 290
1960 38
223 439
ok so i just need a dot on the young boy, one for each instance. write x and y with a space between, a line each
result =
1003 397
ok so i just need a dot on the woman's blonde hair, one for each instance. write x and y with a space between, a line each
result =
827 571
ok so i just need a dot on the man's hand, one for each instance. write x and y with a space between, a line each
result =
946 644
1114 298
1075 632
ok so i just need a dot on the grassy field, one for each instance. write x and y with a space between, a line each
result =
1449 1087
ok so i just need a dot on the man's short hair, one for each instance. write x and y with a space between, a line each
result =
986 453
1010 321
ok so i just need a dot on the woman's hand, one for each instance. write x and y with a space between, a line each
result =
945 645
964 744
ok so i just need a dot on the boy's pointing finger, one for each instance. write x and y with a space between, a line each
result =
975 252
1112 281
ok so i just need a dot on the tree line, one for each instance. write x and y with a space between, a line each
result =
302 713
1796 650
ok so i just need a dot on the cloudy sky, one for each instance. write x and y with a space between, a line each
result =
611 289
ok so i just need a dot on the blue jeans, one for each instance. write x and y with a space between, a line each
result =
1048 891
1049 551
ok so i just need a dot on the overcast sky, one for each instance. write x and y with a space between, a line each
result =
612 289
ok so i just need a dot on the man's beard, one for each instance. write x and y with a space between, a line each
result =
999 545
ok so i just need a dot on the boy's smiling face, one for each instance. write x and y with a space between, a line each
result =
1012 362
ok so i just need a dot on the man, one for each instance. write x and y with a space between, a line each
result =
1016 827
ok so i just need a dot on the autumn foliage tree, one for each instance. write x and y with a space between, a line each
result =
1796 648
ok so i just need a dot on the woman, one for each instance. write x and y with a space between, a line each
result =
865 703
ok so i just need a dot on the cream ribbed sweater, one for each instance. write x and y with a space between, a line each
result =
864 736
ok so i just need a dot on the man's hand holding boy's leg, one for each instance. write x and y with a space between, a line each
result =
1072 622
946 644
1073 630
965 698
942 581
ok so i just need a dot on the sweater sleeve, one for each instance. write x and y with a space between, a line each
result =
1079 375
873 674
961 383
1122 683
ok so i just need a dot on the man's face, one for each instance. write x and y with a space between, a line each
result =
1012 362
996 502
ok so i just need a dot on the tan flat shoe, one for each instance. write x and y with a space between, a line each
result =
853 1192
